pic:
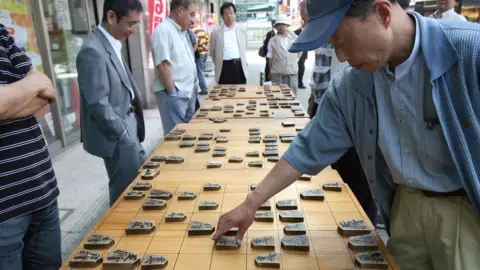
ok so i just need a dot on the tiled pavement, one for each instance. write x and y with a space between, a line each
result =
83 180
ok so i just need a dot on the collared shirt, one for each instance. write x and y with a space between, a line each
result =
285 41
230 43
448 15
27 179
326 67
349 114
170 44
417 157
117 47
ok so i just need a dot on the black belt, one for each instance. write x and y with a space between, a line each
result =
433 194
232 61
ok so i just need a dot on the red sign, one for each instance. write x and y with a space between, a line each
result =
158 12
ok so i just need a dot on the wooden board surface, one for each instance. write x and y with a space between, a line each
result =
328 250
240 107
251 92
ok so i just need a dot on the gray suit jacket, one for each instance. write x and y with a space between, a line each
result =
105 97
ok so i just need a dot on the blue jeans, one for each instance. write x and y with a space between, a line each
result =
200 68
32 241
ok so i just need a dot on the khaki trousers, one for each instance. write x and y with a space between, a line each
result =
434 233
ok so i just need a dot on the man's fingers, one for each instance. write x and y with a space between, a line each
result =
240 234
223 227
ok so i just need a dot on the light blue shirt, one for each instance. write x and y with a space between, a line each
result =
350 117
417 157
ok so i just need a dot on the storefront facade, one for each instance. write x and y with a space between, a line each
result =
52 32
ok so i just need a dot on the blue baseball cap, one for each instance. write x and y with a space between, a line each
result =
324 18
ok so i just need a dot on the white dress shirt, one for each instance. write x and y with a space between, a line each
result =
230 41
117 47
448 15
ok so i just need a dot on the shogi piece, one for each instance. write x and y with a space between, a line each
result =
205 109
240 111
219 120
254 140
237 115
98 241
158 159
216 108
312 194
227 111
121 259
227 243
266 206
296 243
149 174
372 260
221 139
208 205
353 227
253 186
286 135
202 115
151 165
186 144
219 154
288 124
235 160
263 111
202 149
253 154
255 164
174 160
332 186
287 139
273 159
225 130
271 148
269 139
295 229
205 137
134 195
274 107
160 194
211 187
270 153
271 144
285 106
175 217
362 242
140 227
187 196
172 137
214 165
179 130
154 204
287 205
220 149
254 133
250 113
253 129
233 231
189 137
271 260
299 113
151 262
291 216
142 186
264 115
305 177
264 216
263 243
203 144
86 258
298 129
200 228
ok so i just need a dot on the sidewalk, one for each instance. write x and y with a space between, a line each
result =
83 180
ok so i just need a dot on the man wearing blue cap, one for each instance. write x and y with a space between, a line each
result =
410 106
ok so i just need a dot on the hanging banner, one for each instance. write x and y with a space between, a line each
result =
158 13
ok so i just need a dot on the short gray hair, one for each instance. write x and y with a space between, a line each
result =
176 4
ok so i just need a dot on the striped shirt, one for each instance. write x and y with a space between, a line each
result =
27 180
202 39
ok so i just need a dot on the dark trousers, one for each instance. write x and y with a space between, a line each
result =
232 72
301 68
350 169
267 71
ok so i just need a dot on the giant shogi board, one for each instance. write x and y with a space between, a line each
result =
250 108
328 249
274 92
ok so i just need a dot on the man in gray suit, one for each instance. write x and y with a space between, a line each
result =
111 106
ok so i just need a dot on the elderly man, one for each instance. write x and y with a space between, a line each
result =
228 47
446 11
111 105
175 83
411 115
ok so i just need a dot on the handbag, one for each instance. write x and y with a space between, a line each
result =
261 52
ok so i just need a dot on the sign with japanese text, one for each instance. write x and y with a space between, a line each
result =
158 13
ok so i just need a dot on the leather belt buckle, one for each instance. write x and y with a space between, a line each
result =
434 194
131 109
